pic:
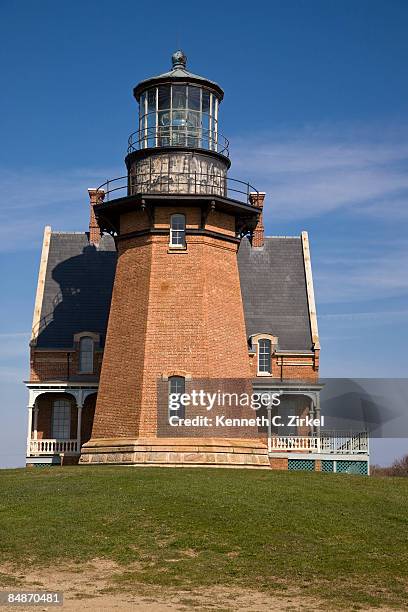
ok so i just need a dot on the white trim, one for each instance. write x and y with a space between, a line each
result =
171 244
78 390
255 343
41 282
29 428
310 290
60 384
81 352
322 456
79 425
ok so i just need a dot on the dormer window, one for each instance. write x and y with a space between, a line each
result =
264 356
178 231
86 354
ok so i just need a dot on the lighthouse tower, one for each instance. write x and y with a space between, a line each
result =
176 314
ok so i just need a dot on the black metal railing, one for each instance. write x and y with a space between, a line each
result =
172 182
178 136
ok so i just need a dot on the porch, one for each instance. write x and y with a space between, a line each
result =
311 446
59 419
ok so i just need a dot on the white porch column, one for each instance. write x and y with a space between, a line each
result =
318 412
79 421
312 414
35 435
29 426
269 413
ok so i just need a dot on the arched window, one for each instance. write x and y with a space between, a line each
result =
178 231
264 356
61 419
177 386
86 350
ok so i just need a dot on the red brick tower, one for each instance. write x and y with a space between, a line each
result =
176 313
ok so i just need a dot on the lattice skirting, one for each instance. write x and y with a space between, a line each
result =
329 465
306 465
352 467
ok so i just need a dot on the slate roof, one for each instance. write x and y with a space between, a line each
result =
78 289
79 280
273 286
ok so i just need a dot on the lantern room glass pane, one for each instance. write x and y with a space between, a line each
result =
151 100
178 115
193 119
179 118
142 104
194 98
164 118
179 96
164 96
206 101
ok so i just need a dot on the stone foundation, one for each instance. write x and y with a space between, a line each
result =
176 452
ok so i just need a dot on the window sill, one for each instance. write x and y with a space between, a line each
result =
264 374
177 249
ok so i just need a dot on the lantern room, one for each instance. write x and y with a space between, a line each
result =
178 109
177 147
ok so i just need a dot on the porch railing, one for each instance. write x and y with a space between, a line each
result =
342 443
282 443
53 447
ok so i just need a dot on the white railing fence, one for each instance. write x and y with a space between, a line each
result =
347 443
53 446
294 443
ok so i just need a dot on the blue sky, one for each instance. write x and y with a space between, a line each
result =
316 113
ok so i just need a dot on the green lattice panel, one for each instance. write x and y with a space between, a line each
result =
327 465
352 467
307 465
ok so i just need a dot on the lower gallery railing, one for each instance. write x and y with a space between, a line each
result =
339 443
52 447
352 443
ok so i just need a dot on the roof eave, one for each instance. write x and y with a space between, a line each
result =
169 78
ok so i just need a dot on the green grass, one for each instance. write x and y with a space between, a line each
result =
339 537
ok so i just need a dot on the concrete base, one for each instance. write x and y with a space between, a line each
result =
212 452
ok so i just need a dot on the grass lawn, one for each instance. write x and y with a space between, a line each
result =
344 538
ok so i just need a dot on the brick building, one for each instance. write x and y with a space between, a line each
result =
174 283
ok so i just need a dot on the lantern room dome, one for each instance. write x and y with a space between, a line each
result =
178 74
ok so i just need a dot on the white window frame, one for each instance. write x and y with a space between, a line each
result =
265 356
88 368
177 232
177 384
254 340
61 419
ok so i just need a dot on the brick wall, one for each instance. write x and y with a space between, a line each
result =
53 365
289 367
169 311
279 463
